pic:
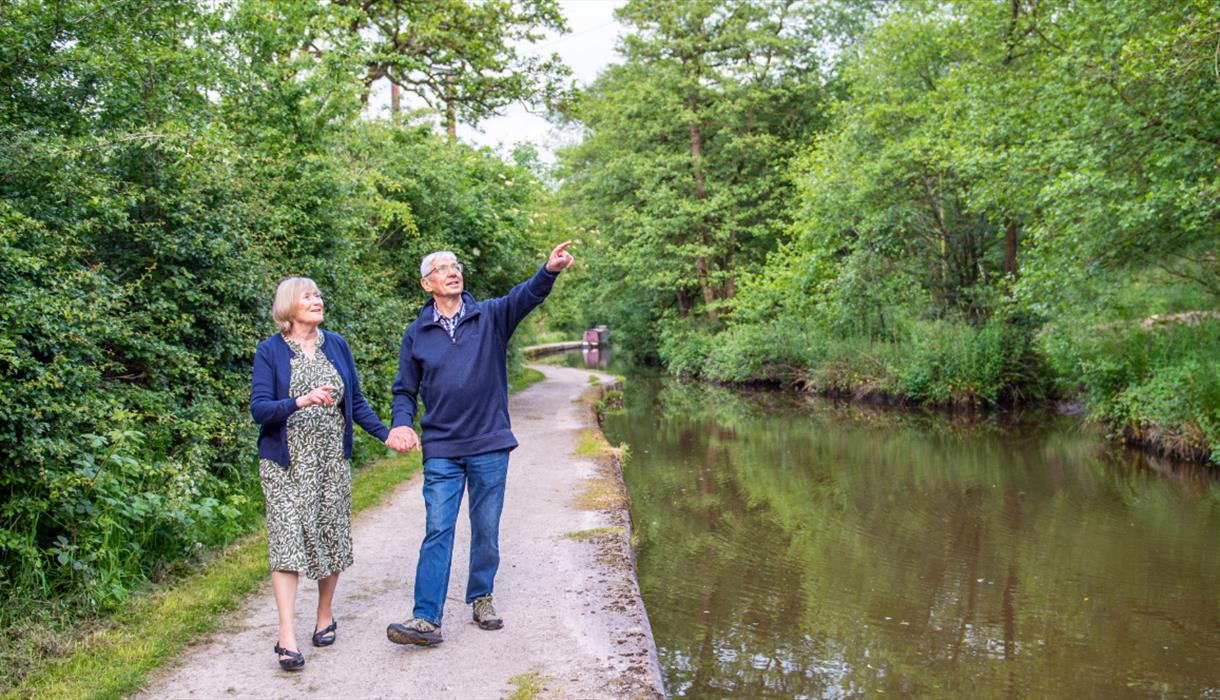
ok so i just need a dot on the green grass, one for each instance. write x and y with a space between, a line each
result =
528 377
528 686
546 337
154 627
593 444
592 533
1159 386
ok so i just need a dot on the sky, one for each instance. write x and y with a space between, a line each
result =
587 48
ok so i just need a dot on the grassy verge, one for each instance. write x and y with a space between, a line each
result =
1151 377
593 533
942 363
593 444
1158 386
527 377
153 628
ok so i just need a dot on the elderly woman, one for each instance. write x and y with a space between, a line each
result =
305 396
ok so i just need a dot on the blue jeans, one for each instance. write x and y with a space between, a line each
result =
444 481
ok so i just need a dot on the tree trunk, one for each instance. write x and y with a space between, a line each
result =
684 304
730 280
701 267
450 110
1010 254
395 103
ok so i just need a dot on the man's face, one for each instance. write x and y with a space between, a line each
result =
445 279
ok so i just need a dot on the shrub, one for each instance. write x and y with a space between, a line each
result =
773 351
951 362
1160 386
684 351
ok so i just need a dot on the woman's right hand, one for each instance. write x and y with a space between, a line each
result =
321 396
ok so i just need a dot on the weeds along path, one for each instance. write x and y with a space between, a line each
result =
574 625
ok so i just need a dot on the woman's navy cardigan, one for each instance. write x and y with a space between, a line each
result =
271 405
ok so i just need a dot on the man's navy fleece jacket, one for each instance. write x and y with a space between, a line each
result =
464 381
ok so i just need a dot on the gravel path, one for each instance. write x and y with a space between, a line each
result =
574 623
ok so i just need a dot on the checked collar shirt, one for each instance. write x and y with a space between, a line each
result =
449 324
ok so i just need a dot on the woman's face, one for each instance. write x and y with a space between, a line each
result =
309 308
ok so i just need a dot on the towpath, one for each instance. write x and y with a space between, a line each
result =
574 623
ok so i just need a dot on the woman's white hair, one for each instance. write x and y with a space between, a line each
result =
286 297
425 265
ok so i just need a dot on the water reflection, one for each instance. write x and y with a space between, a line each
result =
797 548
598 356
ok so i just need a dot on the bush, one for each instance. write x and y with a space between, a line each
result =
138 258
1159 386
945 362
934 362
684 351
853 365
121 448
775 351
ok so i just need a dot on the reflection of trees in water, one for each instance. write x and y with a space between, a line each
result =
842 551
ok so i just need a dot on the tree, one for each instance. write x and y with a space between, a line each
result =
682 173
459 57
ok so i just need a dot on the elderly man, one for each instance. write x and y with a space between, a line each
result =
454 356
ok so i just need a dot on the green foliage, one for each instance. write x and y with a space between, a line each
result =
157 179
776 351
940 362
684 351
957 363
990 162
681 182
460 58
1158 385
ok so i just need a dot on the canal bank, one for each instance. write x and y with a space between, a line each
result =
574 623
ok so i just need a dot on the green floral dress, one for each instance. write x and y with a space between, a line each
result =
309 504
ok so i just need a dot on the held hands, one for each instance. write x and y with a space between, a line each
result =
321 396
402 439
560 258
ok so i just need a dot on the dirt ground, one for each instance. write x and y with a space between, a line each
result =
574 624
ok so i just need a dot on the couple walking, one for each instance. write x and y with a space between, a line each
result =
305 397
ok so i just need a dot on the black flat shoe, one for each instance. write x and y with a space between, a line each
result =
326 637
295 660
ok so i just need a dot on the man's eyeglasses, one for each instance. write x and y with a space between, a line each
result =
444 269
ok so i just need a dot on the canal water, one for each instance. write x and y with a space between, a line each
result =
793 547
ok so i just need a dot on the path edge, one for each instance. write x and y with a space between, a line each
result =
618 543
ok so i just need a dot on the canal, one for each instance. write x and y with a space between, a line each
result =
795 547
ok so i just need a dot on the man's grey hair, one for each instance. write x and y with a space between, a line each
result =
425 265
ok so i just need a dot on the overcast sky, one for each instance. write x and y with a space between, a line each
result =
587 48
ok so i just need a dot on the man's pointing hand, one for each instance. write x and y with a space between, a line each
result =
560 258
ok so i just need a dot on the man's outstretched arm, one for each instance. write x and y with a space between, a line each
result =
522 298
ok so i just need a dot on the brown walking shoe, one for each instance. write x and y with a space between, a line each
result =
485 614
415 631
